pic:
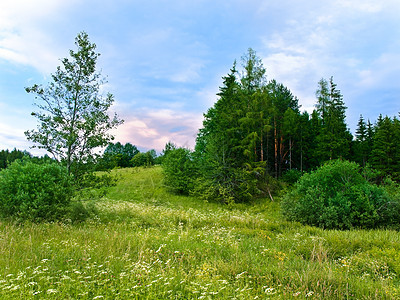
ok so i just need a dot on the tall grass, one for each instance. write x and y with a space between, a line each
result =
145 243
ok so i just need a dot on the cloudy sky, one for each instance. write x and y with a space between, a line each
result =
164 59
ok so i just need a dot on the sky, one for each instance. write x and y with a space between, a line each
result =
164 60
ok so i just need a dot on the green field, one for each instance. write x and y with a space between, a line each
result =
146 243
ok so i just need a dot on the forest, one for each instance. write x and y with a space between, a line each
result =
256 135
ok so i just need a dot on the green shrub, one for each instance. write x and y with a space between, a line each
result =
179 170
35 192
338 196
291 176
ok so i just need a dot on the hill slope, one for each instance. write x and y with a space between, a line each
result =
147 243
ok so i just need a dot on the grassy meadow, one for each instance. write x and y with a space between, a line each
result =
146 243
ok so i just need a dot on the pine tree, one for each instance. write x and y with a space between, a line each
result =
335 138
382 156
361 142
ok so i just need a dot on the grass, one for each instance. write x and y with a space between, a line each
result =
146 243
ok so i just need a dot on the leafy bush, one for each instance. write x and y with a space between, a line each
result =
179 170
35 192
338 196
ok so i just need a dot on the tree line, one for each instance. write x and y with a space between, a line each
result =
123 156
255 133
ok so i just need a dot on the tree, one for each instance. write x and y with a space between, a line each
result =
72 116
144 159
290 122
323 98
334 139
361 143
282 100
7 157
179 170
385 155
118 155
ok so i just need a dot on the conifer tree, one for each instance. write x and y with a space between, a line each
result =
335 138
382 156
361 143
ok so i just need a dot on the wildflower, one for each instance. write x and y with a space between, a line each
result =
240 274
52 291
161 246
309 294
14 288
270 291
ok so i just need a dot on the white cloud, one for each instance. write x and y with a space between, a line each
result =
153 128
23 35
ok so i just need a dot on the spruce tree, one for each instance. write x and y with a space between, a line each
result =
335 138
361 143
382 156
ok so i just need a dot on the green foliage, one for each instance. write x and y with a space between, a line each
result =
73 114
385 155
291 176
338 196
117 155
334 137
179 170
7 157
168 147
362 146
146 159
34 192
228 186
79 211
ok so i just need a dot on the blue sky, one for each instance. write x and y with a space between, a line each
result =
164 59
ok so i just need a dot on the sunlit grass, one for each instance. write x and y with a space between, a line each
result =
147 243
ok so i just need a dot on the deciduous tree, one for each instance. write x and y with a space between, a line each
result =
73 113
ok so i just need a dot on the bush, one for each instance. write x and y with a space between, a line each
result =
35 192
338 196
291 176
179 170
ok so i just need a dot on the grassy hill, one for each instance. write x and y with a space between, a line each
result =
145 243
